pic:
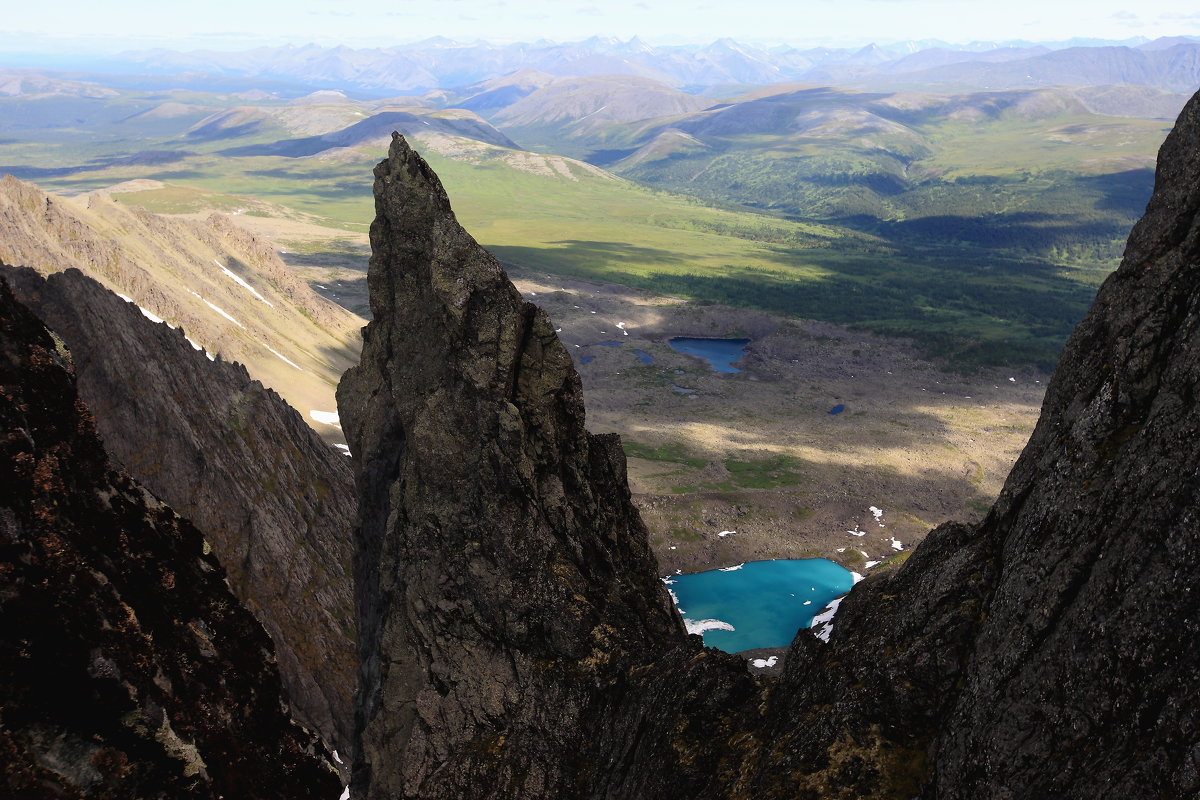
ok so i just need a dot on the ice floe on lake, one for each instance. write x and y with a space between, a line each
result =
699 626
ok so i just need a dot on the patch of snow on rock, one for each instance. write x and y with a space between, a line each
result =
763 663
822 624
733 568
896 544
723 534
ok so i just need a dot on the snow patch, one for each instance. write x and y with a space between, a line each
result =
222 312
734 568
723 534
283 357
896 544
243 284
856 577
763 663
702 625
328 417
870 564
345 448
822 624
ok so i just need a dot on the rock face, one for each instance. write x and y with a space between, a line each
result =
127 668
274 500
505 581
226 288
516 644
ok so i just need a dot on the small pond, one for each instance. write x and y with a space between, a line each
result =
757 604
719 353
839 408
644 357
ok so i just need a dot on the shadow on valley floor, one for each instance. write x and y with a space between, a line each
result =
581 255
144 158
978 311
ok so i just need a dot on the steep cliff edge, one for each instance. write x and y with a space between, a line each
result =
504 579
1048 651
127 669
274 500
228 289
513 636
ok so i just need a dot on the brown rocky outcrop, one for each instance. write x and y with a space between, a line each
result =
271 497
127 668
505 582
515 643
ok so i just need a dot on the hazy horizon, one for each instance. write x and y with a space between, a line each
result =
74 28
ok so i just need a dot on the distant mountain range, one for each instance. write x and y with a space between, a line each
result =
1170 63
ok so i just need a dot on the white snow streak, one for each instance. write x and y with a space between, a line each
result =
283 357
222 312
243 284
763 663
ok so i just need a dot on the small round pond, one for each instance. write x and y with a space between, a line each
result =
719 353
757 604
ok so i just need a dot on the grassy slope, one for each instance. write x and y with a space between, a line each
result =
960 297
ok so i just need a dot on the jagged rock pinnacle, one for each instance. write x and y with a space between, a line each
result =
505 582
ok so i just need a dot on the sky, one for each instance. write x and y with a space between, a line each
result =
95 27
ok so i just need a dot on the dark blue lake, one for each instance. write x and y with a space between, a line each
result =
839 408
763 601
719 353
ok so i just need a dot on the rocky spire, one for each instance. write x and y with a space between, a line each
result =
505 583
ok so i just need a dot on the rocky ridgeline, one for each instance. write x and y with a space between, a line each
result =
185 271
275 501
516 643
127 668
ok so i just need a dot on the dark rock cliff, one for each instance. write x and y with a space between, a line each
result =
127 668
274 500
505 582
515 642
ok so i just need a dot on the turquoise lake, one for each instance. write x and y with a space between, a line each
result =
719 353
763 601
